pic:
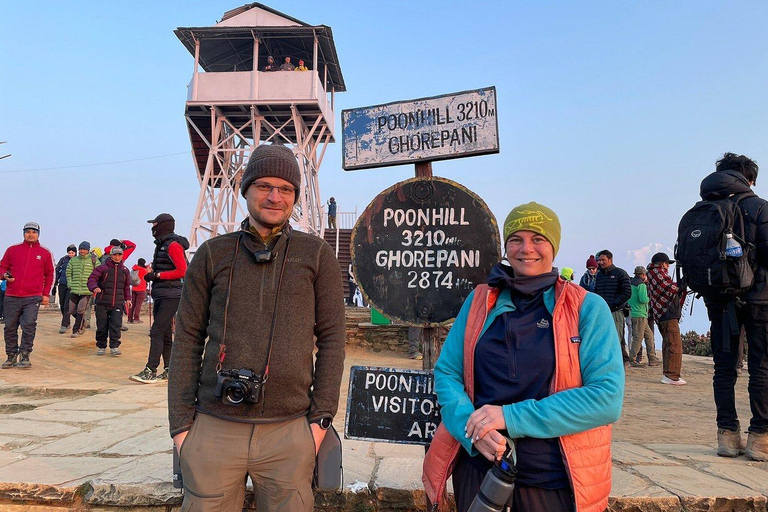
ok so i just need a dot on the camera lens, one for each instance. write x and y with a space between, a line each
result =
236 392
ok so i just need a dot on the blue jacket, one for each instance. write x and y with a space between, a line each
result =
598 402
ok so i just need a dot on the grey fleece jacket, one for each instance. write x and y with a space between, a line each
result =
311 304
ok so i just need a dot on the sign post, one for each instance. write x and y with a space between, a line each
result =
420 247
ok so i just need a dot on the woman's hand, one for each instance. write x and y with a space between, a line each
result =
483 420
492 446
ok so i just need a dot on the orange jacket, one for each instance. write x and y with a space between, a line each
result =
587 455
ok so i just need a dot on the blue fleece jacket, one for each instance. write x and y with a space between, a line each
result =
598 402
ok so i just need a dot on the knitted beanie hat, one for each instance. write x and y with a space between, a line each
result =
537 218
71 247
271 161
591 261
567 273
84 245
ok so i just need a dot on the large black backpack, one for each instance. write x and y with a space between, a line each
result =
700 249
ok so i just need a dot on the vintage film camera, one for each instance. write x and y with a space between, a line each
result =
235 387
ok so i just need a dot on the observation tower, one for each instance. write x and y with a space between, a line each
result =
233 105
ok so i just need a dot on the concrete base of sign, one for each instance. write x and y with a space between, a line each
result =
44 466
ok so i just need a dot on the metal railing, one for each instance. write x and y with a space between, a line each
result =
344 220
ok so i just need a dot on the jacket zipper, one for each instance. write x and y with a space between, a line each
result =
114 290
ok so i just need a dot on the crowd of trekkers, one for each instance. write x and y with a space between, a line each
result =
88 279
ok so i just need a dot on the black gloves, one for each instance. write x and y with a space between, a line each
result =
150 276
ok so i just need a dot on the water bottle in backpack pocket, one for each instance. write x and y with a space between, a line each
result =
711 250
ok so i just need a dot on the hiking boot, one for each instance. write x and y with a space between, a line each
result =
417 356
24 363
146 376
115 352
101 351
123 328
75 334
138 321
654 362
635 364
729 442
10 362
757 446
63 329
163 376
130 321
678 382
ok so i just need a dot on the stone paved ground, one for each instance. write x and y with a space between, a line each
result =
75 433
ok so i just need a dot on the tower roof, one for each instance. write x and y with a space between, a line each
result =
228 45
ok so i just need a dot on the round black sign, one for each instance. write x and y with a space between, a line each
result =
421 247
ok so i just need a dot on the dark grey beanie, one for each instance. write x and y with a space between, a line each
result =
272 161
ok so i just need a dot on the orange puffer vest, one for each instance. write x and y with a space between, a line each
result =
587 455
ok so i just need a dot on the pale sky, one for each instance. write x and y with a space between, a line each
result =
610 113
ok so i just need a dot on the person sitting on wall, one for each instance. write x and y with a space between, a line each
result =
301 66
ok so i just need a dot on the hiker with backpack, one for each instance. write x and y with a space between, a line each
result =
723 255
138 291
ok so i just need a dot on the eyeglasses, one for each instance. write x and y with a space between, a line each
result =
263 188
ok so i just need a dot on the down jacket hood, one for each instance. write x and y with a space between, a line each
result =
720 185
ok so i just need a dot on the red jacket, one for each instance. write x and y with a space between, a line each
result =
587 455
31 266
127 250
142 286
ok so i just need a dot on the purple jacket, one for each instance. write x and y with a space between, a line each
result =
114 281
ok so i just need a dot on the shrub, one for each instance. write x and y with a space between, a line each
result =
696 344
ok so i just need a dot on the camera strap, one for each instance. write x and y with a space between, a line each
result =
222 345
274 322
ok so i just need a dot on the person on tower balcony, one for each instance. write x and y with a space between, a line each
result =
271 64
287 66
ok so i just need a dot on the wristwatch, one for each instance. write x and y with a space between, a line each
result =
324 423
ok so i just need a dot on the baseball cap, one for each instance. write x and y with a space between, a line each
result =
163 217
639 269
32 225
661 257
116 250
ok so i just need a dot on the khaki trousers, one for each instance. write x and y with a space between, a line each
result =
671 348
618 319
217 455
640 330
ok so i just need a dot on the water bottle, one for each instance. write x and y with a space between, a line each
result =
732 247
495 492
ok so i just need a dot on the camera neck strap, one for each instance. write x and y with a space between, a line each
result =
222 345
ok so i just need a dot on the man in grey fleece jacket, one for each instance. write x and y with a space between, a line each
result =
241 290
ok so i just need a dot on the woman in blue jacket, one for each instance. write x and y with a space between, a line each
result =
543 369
